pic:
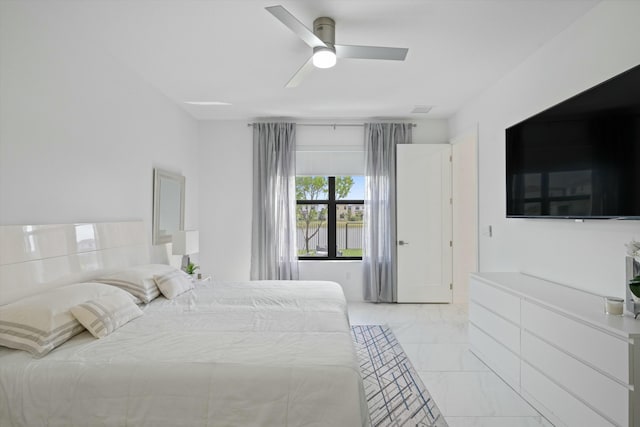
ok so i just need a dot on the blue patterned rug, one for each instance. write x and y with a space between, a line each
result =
395 393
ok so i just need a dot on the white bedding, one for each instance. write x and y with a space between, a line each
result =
243 354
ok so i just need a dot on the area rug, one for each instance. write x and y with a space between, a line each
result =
395 393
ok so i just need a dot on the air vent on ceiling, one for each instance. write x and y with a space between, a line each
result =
421 109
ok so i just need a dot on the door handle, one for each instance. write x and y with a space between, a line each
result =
402 242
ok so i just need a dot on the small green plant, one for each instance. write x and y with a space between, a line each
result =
634 285
191 268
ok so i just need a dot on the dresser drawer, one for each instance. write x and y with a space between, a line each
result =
597 390
507 305
557 404
500 329
604 351
495 356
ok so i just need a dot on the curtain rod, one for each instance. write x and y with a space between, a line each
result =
333 125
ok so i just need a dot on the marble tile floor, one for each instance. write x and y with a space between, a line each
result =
434 336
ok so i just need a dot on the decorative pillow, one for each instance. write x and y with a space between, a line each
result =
40 323
173 283
138 280
106 314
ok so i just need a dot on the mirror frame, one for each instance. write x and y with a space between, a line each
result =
160 176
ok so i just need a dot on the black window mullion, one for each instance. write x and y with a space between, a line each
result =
331 218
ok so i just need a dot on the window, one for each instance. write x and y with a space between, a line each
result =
329 212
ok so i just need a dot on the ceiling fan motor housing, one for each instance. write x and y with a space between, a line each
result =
325 29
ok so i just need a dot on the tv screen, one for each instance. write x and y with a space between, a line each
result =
580 158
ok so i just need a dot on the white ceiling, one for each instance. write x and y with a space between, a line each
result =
237 52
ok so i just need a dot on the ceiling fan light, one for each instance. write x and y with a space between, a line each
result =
324 57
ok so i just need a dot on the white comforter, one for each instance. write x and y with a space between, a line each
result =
245 354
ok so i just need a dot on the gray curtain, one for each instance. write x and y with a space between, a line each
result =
379 246
273 247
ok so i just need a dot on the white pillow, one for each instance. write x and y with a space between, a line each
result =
173 283
138 280
40 323
106 314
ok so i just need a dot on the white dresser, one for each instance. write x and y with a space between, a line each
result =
555 346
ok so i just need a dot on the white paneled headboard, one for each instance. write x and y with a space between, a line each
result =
34 258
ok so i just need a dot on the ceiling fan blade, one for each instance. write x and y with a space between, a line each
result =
301 73
296 26
371 52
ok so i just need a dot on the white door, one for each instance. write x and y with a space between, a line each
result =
424 222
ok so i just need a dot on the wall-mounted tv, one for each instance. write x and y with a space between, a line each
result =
580 158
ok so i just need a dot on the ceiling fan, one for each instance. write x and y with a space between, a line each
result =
325 50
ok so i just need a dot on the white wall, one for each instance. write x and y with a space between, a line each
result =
79 133
226 187
589 255
431 132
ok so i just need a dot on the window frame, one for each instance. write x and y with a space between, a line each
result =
332 228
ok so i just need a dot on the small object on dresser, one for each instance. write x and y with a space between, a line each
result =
632 303
199 276
634 286
613 306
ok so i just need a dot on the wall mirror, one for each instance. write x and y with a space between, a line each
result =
168 205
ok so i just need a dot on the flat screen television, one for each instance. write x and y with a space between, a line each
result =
580 158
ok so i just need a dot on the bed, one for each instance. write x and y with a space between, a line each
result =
268 353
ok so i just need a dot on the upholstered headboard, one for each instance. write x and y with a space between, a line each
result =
34 258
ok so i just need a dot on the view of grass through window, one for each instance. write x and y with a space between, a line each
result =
329 212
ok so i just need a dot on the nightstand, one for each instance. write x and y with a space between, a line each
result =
204 279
